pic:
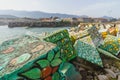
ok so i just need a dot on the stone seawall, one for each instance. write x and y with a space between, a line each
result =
41 24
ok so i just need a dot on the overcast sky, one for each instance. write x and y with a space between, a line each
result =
93 8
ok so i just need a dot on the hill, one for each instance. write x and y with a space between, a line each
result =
35 14
7 16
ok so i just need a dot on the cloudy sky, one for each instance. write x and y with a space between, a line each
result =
93 8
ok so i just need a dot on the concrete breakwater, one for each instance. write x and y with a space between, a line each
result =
78 55
42 24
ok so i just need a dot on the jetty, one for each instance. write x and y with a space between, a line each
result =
42 24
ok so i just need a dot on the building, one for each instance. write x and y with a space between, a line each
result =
46 19
100 20
87 20
51 19
70 19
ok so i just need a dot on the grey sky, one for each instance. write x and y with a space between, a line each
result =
93 8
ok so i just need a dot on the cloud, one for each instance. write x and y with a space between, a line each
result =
20 4
97 8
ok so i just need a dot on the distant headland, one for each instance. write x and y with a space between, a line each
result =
14 18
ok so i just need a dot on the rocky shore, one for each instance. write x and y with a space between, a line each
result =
80 53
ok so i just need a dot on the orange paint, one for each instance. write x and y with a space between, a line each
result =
38 48
10 49
48 78
54 69
46 71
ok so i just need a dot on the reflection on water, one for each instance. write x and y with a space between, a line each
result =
8 33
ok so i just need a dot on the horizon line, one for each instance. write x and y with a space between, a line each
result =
58 13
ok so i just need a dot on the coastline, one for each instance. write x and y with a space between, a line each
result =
42 24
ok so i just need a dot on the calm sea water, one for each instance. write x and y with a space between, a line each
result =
7 33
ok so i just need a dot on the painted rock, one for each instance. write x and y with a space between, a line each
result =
95 36
56 36
112 31
50 55
57 54
111 44
48 78
3 61
87 40
46 71
104 34
3 64
1 67
43 63
20 59
56 76
56 49
90 53
56 62
54 69
37 48
107 53
9 50
34 73
67 70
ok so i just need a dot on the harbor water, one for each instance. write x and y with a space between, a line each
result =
8 33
